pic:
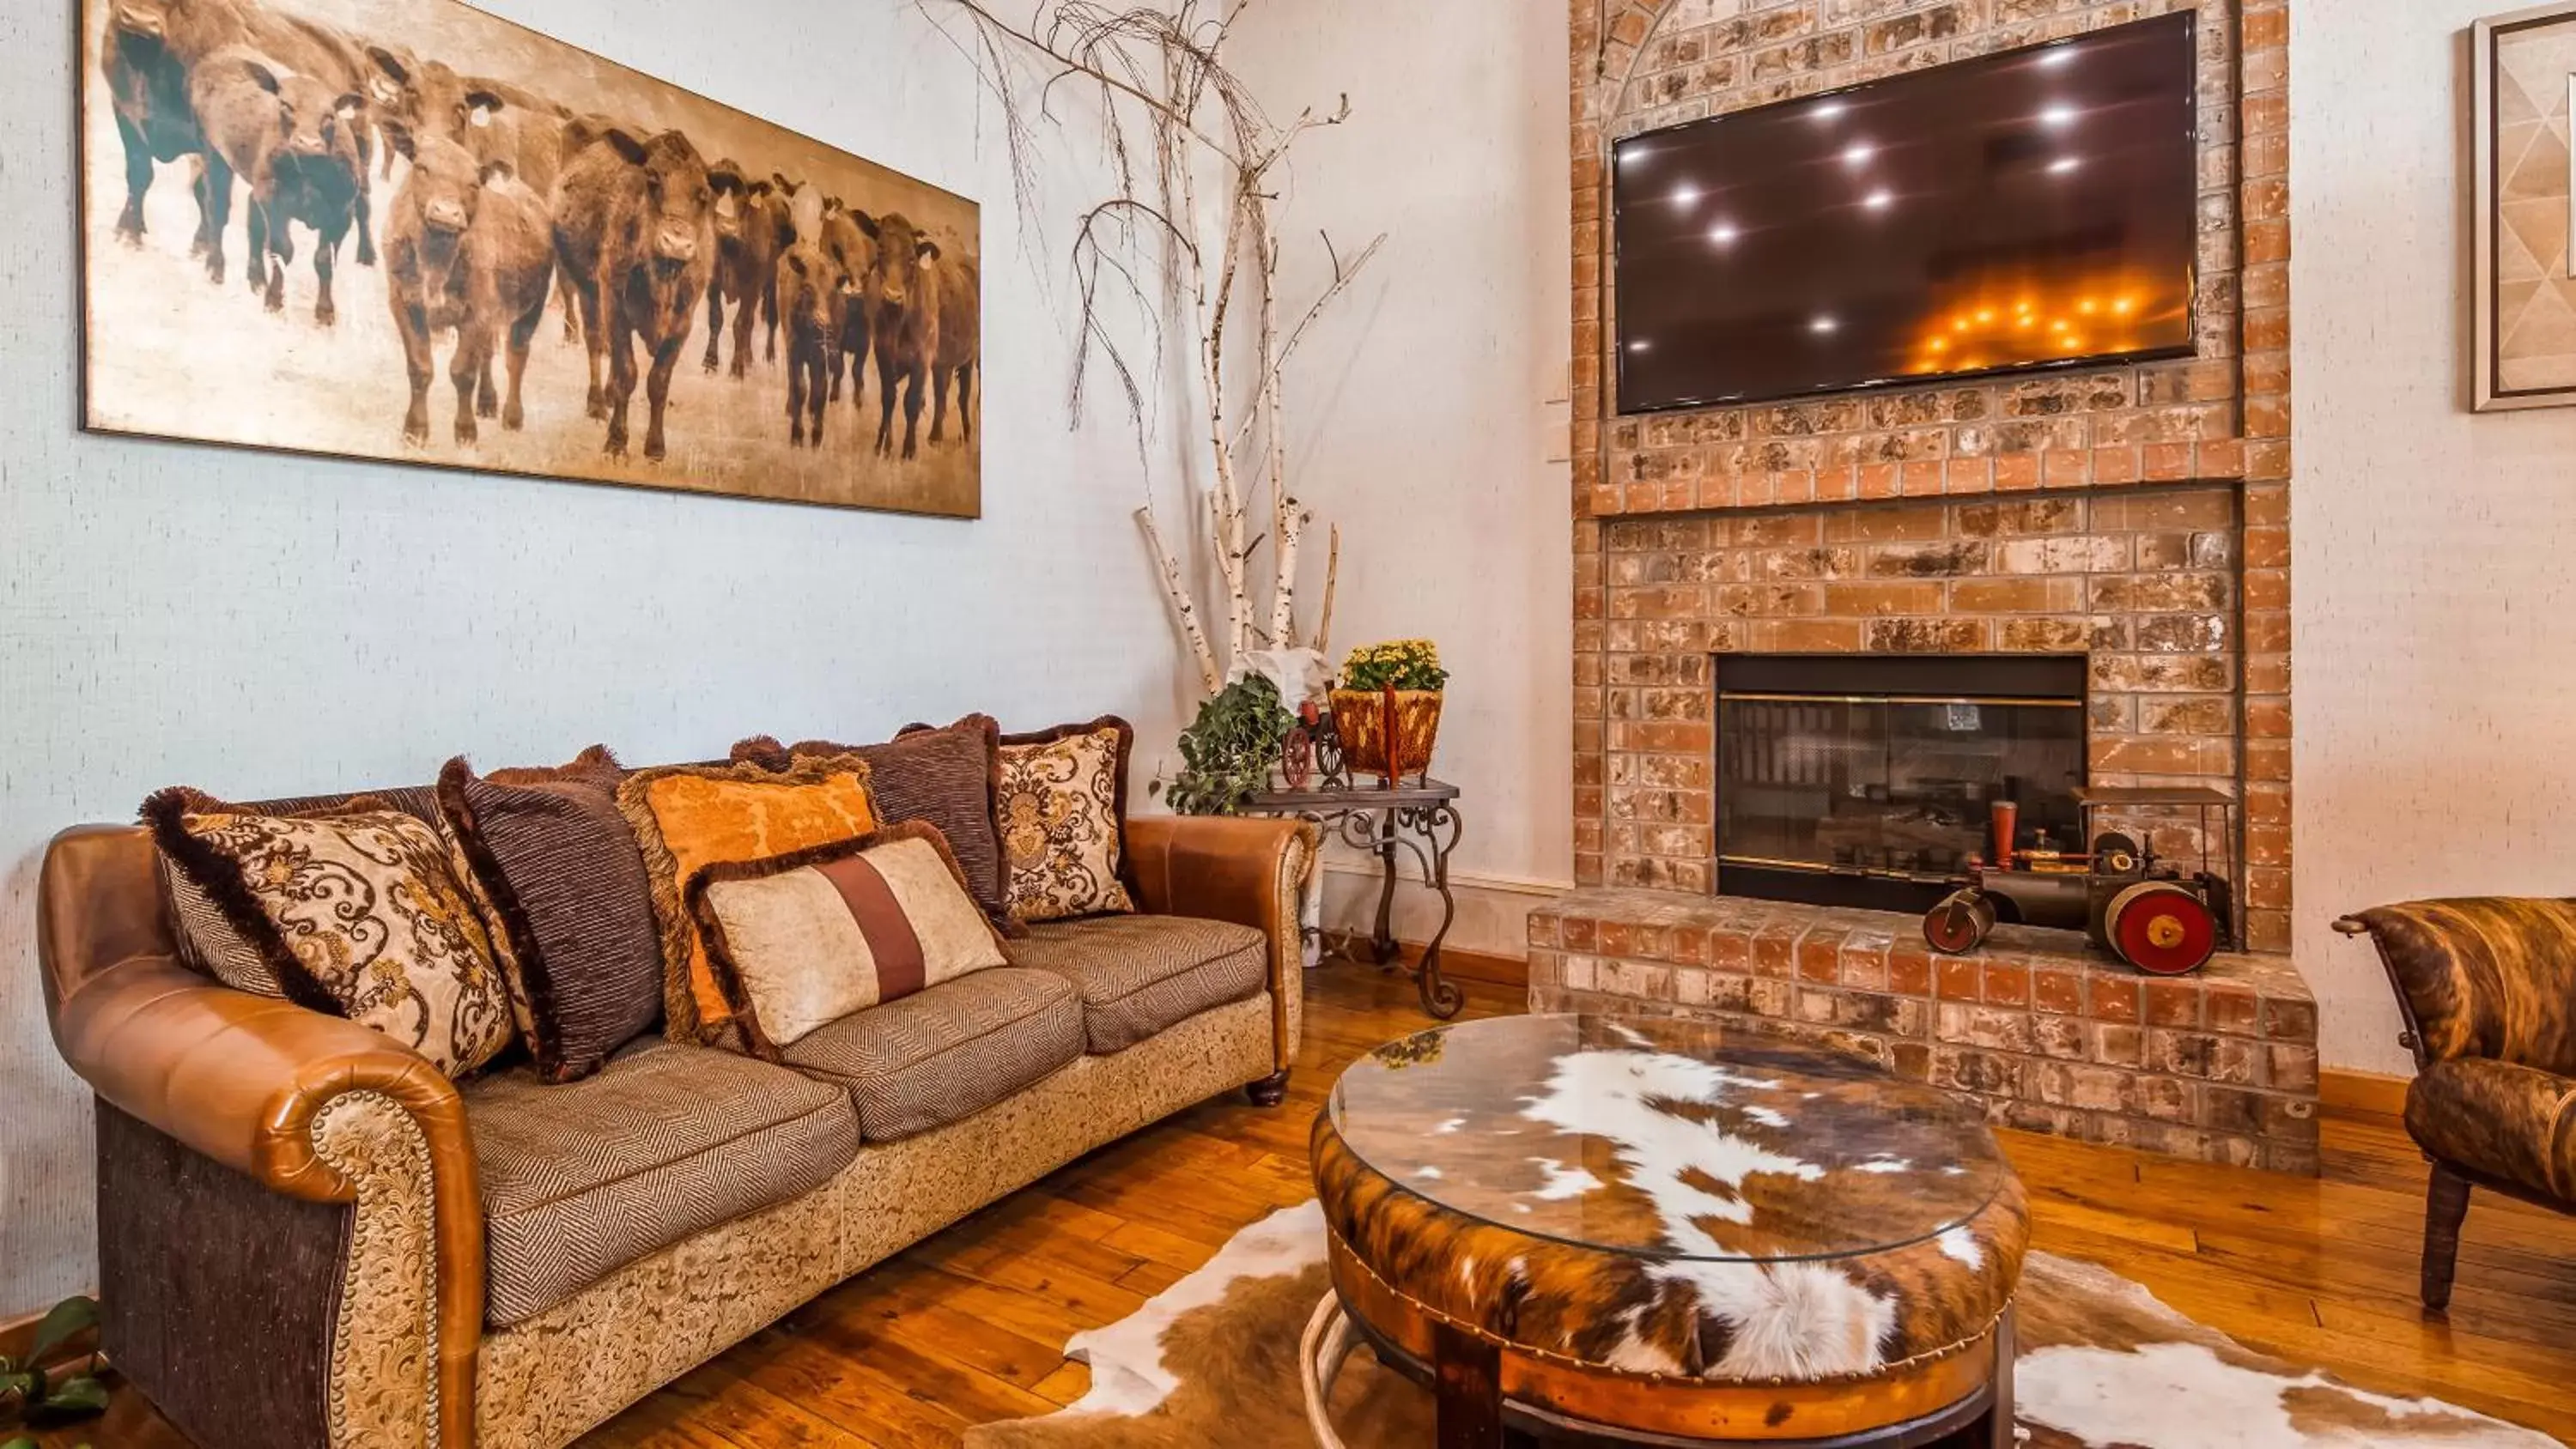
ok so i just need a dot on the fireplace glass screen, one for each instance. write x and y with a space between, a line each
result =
1848 794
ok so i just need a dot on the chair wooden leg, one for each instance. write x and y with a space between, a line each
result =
2446 1204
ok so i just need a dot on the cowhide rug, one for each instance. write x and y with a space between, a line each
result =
2104 1365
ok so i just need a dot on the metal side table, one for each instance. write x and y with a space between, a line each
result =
1420 818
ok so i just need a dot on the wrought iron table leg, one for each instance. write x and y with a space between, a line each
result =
1440 996
1383 944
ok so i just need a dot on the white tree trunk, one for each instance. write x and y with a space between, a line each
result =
1182 608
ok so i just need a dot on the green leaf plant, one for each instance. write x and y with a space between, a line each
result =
1227 753
34 1395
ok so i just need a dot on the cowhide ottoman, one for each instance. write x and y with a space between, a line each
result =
1666 1232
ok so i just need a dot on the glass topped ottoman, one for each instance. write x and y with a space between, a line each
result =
1665 1232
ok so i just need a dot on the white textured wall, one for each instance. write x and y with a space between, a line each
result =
257 624
1429 405
2435 568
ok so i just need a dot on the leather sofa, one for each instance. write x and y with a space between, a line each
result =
309 1237
2488 991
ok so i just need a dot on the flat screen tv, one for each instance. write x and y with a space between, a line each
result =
2026 210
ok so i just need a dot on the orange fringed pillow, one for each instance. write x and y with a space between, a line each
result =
687 817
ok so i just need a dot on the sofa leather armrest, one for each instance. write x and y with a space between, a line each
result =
1245 869
313 1107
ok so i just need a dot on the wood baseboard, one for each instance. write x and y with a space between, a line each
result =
1463 965
2362 1092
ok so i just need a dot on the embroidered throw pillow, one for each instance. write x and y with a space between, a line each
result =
358 910
571 898
946 777
801 940
1062 809
687 817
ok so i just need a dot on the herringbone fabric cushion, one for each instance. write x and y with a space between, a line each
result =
1140 974
667 1140
948 1052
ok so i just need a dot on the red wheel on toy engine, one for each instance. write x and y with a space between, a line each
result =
1959 922
2161 928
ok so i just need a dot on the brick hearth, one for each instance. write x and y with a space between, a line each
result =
2218 1067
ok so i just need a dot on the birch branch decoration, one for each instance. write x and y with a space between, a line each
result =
1168 107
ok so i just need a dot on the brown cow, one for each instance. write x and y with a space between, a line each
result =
470 248
961 340
814 295
752 229
853 251
901 293
387 67
296 142
493 120
146 56
634 229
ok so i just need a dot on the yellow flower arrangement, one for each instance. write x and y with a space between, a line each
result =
1403 663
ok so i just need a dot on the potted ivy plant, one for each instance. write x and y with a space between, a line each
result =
1386 708
1228 752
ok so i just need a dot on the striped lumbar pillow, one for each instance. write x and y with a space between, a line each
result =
798 941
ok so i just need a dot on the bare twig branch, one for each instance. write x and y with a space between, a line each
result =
1166 65
1332 579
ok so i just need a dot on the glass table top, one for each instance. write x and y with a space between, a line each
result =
1668 1139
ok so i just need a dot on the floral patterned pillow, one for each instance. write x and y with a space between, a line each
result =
1061 807
361 911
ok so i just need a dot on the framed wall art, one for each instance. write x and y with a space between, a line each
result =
409 230
2523 298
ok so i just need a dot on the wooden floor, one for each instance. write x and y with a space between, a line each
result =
969 1326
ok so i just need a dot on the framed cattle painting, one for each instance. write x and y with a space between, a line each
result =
409 230
2523 301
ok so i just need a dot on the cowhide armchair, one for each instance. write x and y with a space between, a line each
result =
2488 989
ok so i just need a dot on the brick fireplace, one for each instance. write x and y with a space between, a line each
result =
2133 517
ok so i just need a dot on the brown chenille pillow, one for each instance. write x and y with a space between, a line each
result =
568 888
803 939
948 777
357 910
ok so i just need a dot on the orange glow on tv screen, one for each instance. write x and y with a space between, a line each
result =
2026 210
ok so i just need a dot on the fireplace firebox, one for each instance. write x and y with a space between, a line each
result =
1870 780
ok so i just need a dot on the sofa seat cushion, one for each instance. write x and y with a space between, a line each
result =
1140 974
2508 1121
947 1052
581 1179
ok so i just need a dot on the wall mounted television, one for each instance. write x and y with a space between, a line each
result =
2032 209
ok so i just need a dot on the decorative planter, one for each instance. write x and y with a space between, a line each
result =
1388 733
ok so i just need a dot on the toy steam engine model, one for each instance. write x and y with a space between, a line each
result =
2144 911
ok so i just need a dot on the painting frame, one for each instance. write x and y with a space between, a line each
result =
2501 381
853 479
